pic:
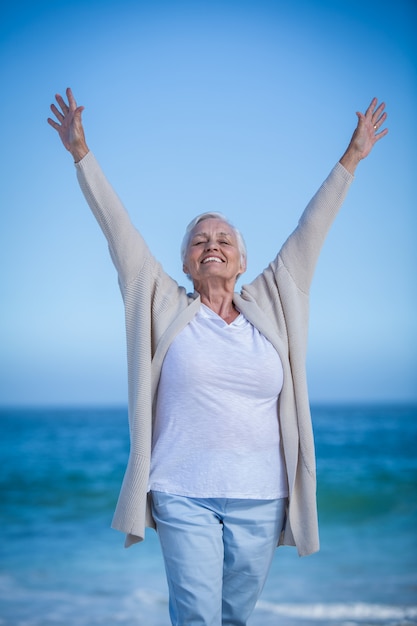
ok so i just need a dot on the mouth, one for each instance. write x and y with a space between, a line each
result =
211 259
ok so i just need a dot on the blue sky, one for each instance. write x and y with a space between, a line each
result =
241 107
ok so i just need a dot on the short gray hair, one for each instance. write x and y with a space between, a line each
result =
205 216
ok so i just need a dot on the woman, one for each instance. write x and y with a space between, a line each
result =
222 454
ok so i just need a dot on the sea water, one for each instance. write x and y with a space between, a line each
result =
61 564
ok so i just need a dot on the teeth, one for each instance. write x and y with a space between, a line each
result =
212 258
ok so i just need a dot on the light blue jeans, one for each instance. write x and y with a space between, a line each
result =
217 554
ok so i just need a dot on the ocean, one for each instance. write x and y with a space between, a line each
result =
61 564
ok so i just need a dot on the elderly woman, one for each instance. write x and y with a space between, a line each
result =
222 457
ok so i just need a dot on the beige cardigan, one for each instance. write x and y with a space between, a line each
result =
157 309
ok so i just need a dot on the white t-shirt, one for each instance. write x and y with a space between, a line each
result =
216 431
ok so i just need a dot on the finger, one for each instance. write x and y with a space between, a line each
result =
379 121
52 123
61 102
57 112
379 136
71 100
360 116
371 108
378 114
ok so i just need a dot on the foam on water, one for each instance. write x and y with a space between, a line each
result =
355 611
145 607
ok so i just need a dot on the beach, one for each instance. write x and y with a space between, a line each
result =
62 564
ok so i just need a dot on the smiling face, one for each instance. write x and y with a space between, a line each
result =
213 253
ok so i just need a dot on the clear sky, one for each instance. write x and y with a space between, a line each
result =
240 106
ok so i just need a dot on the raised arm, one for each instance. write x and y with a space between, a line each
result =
69 125
302 248
128 250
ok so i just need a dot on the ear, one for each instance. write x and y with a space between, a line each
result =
185 269
242 269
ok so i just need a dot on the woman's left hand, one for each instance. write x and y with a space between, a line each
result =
366 135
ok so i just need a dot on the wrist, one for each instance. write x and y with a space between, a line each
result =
79 152
350 160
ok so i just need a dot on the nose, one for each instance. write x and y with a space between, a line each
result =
211 244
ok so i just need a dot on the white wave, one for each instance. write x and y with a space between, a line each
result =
356 611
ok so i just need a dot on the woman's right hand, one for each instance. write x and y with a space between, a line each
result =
69 125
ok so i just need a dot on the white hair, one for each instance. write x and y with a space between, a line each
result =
205 216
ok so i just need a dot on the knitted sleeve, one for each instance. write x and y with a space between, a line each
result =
301 250
127 247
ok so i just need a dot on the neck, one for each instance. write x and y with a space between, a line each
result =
221 302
